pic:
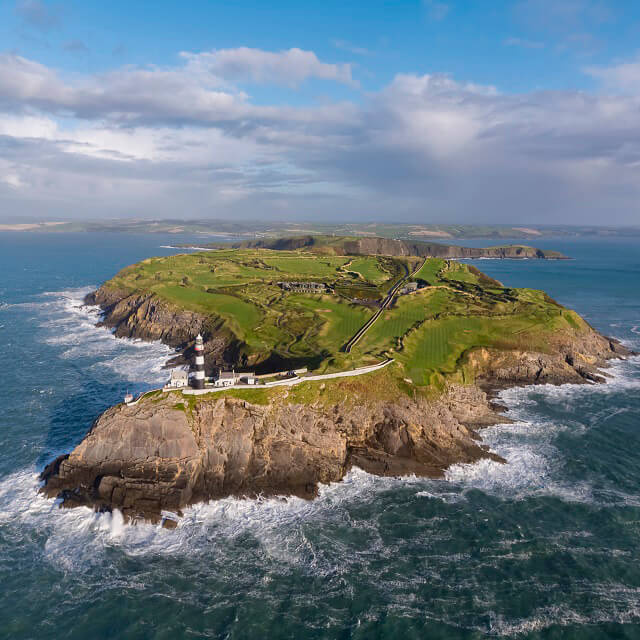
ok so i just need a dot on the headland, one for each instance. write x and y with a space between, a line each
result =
428 342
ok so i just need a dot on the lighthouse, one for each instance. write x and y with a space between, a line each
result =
198 379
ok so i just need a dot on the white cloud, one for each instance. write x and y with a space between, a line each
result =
624 76
184 141
13 180
288 68
198 92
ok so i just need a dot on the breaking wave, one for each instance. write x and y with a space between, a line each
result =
70 325
535 466
168 246
78 537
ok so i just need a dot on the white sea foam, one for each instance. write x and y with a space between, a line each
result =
618 604
533 469
534 465
76 538
168 246
71 325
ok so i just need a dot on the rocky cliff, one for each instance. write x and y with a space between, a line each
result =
144 316
391 247
162 454
170 450
385 246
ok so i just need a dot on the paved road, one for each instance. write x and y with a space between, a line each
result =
291 381
385 303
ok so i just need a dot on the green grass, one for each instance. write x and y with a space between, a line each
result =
397 321
371 269
338 320
311 266
428 332
437 345
429 271
459 272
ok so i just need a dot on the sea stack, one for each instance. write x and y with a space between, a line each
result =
198 378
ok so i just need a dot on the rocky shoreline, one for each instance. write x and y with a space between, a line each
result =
166 452
146 317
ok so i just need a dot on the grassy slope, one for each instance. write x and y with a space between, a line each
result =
428 332
240 288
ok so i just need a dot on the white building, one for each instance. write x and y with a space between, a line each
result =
179 379
230 378
225 379
248 378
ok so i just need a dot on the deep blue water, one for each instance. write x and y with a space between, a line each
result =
546 546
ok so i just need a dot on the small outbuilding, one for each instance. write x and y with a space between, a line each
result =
178 379
248 378
225 379
303 287
410 287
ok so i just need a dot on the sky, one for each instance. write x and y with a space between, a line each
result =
423 111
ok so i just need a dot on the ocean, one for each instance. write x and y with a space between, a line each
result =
546 546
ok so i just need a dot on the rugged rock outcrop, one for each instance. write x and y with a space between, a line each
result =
570 359
146 317
166 452
162 455
386 246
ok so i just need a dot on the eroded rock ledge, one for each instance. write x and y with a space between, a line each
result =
164 454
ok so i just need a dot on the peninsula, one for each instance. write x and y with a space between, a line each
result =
349 245
353 353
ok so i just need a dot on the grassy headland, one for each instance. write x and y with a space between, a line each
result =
429 332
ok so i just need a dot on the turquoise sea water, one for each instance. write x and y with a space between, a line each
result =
547 546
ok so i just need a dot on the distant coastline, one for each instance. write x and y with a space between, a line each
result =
254 229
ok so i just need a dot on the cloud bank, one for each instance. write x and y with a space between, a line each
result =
190 141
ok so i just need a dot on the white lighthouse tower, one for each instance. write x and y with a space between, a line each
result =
198 378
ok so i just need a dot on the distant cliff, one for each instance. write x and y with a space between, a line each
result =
387 246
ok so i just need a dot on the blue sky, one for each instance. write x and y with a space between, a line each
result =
516 46
432 110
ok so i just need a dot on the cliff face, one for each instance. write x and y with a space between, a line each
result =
391 247
148 318
163 454
386 246
145 317
154 456
571 358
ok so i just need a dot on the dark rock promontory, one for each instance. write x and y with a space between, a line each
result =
170 451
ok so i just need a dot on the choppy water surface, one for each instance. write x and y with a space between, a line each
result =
544 547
